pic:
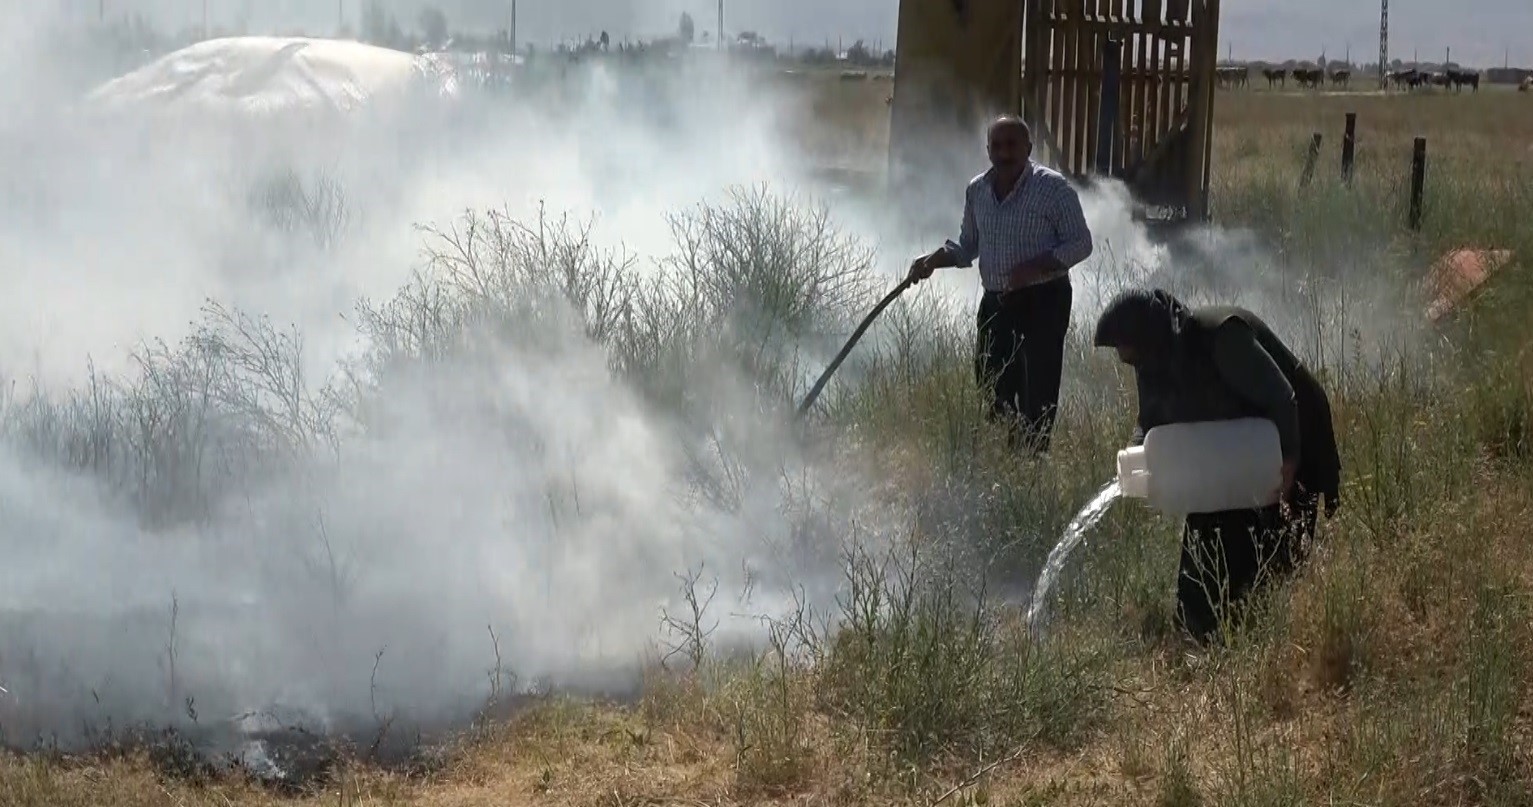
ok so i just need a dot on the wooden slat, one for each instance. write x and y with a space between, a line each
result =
1056 107
1158 83
1040 36
1056 75
1202 140
1048 98
1031 65
1176 99
1164 89
1125 104
1115 14
1151 83
1067 82
1179 86
1176 67
1022 47
1094 91
1120 136
1060 88
1139 74
1089 59
1078 79
1041 66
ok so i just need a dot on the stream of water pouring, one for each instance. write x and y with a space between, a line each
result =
1074 534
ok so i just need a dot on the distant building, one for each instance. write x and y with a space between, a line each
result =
1507 75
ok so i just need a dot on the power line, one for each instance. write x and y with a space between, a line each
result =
1383 40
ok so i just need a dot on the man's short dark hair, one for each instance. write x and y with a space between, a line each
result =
1010 121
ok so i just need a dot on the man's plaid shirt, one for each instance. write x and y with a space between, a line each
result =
1042 214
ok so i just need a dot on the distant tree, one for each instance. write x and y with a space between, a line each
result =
433 25
687 30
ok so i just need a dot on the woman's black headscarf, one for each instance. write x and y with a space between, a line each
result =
1149 320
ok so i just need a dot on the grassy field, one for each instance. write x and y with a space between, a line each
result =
1393 671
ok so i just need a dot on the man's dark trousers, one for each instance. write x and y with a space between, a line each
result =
1227 556
1020 350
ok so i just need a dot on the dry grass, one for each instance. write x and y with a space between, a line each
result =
1393 671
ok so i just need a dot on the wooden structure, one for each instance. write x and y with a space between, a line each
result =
1121 88
957 63
1158 135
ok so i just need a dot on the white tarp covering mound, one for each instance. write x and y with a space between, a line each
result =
255 107
254 77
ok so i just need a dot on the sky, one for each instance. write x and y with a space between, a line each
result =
1483 33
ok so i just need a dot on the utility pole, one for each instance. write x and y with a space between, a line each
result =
513 26
204 19
721 24
1383 40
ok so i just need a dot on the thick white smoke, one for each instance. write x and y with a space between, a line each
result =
518 487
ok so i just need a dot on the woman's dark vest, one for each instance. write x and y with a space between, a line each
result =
1195 392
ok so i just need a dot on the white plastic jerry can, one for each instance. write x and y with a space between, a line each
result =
1205 467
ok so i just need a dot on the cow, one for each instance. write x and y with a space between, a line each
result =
1233 76
1526 85
1309 77
1463 77
1342 77
1275 75
1407 79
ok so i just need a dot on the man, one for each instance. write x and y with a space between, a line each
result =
1024 224
1219 363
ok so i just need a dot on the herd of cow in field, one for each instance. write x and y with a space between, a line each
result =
1315 78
